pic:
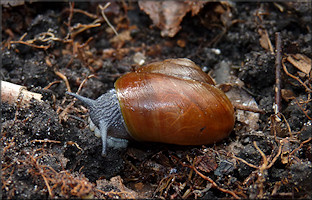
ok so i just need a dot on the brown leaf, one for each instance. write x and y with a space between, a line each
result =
285 150
139 186
120 39
265 41
301 62
287 94
241 97
167 15
114 189
206 163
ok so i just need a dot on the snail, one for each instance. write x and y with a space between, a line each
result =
172 101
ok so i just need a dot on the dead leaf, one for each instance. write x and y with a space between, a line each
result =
139 186
301 62
206 163
181 43
167 15
287 94
237 95
115 189
264 40
285 150
120 39
240 96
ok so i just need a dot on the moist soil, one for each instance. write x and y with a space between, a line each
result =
48 151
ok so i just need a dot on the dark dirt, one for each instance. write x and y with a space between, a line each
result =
49 152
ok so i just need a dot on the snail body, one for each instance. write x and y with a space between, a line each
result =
172 101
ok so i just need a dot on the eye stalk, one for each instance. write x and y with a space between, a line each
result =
106 116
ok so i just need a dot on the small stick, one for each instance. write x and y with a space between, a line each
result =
62 76
44 141
83 82
77 10
214 184
105 18
300 146
278 94
304 111
50 84
65 111
248 108
32 45
11 93
70 17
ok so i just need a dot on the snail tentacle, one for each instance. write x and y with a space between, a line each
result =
105 114
103 132
86 101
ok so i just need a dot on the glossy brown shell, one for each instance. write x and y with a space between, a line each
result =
163 108
181 68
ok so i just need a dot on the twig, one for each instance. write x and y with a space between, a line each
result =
214 184
278 95
269 41
31 45
62 76
50 84
43 37
12 143
65 111
11 93
82 27
105 18
248 108
66 182
42 174
74 143
83 82
245 162
288 126
43 141
304 111
81 46
302 143
71 7
265 166
77 10
163 184
23 36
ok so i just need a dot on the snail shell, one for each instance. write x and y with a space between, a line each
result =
172 101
